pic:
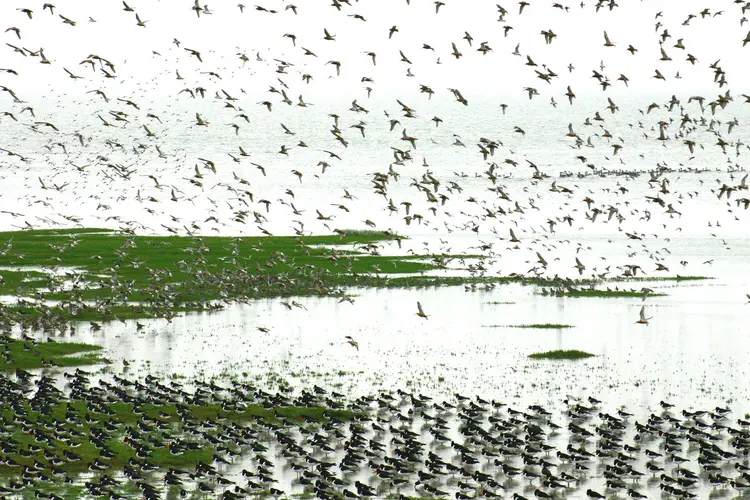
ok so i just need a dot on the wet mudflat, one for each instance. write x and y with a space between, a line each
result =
467 347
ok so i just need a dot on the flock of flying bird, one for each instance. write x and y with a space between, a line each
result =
134 149
123 116
130 153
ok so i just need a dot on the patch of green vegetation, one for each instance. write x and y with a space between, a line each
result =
601 293
163 419
31 315
12 280
372 233
432 281
561 354
404 497
662 278
103 275
27 354
74 491
553 326
61 490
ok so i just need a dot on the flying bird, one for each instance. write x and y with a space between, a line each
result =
643 319
352 342
420 311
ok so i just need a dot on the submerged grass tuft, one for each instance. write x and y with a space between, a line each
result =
601 293
372 233
85 417
561 354
27 355
661 278
552 326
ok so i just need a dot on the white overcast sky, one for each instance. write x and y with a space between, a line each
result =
147 61
220 36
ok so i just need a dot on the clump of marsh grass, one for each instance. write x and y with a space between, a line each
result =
541 326
561 354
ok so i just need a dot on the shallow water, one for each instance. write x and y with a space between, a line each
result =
688 352
691 354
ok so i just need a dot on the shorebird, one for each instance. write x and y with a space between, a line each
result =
352 342
643 319
580 267
420 311
570 95
200 121
195 53
541 260
607 43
